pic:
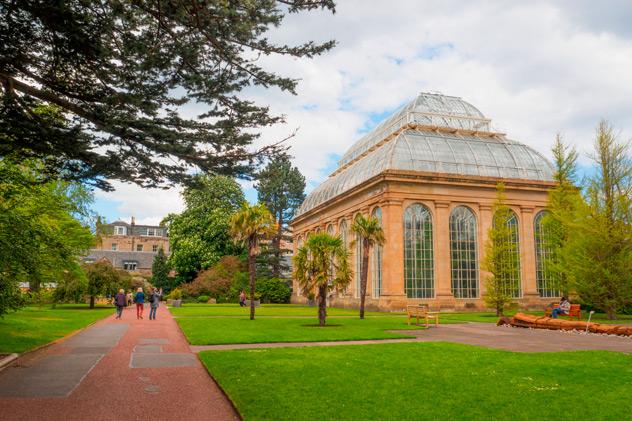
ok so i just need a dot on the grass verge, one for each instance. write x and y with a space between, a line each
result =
422 381
31 327
215 331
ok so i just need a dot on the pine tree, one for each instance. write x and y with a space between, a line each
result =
281 187
119 75
160 270
500 256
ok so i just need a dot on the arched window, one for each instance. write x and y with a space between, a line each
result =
330 229
543 254
463 253
513 288
376 272
418 252
358 256
342 232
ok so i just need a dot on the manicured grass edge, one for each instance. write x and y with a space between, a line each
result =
53 342
221 389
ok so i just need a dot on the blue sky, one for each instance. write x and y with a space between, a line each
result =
535 68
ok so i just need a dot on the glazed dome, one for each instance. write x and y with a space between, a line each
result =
432 134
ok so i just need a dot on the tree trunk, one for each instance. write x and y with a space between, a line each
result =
612 314
276 245
92 301
322 305
251 272
499 311
364 276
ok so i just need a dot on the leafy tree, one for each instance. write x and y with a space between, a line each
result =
249 226
281 187
370 234
103 279
322 264
563 203
200 235
120 75
160 271
599 252
39 234
501 249
274 290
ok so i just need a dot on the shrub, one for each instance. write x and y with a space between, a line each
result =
203 299
176 294
273 290
217 281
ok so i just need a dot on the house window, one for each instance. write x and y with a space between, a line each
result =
418 252
158 233
129 265
464 255
154 248
139 247
114 246
151 232
120 230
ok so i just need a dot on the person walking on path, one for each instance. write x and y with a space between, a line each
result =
130 298
242 299
120 301
154 302
140 303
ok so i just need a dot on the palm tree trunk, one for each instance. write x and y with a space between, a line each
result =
364 276
322 305
251 273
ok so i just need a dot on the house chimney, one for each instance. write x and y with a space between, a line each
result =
133 221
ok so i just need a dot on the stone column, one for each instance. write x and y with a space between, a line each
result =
527 255
443 275
486 216
393 254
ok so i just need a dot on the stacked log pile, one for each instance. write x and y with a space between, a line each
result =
543 322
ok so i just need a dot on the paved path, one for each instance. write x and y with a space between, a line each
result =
114 370
482 334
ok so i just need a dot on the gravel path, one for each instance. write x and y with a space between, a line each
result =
125 369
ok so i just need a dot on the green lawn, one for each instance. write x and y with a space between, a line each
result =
34 326
266 310
422 381
232 330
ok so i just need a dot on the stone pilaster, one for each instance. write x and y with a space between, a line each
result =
527 255
441 232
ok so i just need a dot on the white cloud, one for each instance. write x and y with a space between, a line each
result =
535 68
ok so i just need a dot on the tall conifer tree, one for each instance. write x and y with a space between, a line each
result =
500 256
281 187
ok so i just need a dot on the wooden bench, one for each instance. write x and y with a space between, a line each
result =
574 313
422 312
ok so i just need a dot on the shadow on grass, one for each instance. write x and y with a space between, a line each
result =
317 325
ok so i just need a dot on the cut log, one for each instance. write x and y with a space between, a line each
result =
543 322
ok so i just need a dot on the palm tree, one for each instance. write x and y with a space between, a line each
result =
248 226
322 264
369 232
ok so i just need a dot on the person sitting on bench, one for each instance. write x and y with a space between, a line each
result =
563 309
